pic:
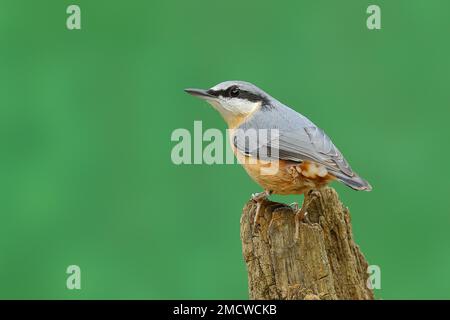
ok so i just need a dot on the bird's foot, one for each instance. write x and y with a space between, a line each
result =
259 198
312 195
301 215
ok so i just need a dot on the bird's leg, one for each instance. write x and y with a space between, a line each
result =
259 198
301 215
294 206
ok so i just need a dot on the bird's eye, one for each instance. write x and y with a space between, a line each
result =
234 91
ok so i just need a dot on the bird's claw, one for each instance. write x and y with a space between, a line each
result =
260 196
294 206
302 216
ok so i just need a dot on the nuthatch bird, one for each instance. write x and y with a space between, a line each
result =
305 156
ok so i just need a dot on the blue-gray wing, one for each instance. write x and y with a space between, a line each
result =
293 137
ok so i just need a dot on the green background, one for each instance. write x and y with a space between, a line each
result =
86 119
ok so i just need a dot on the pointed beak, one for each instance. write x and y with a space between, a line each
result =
201 93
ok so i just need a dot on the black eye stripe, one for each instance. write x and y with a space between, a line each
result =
252 96
243 94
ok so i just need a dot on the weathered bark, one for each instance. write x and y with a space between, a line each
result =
322 263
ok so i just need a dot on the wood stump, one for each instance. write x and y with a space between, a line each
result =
323 262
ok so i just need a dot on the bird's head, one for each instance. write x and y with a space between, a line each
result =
235 100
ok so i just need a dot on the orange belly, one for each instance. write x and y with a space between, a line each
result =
285 177
289 178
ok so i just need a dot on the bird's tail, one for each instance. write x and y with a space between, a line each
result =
355 182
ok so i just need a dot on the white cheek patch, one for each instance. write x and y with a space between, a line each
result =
241 106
